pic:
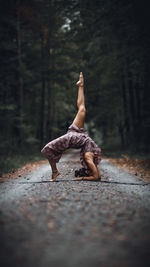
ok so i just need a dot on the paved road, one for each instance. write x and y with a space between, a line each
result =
70 224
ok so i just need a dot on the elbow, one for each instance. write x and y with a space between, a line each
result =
96 176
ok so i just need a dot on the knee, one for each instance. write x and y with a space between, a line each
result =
82 109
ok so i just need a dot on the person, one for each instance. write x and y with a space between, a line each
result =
76 137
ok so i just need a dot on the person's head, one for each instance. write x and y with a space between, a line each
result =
81 173
89 159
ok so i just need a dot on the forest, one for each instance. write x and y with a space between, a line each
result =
44 46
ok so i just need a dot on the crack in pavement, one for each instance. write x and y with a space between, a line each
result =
37 182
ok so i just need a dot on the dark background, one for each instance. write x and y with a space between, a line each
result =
44 45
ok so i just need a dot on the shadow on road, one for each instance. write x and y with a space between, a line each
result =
68 180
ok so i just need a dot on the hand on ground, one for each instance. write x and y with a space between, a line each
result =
78 179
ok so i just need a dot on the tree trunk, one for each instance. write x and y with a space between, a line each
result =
43 91
146 111
19 51
122 138
125 109
50 80
139 123
50 119
131 92
19 89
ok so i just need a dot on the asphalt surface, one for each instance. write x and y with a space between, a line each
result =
75 223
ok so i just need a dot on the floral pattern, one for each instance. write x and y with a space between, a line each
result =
75 138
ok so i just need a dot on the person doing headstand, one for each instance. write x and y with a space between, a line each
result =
76 137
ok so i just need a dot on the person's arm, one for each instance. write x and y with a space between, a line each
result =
88 178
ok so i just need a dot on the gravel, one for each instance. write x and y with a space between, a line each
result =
75 223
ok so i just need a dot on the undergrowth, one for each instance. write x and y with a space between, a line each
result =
12 162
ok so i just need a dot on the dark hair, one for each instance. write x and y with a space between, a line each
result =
81 173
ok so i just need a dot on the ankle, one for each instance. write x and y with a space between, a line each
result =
54 171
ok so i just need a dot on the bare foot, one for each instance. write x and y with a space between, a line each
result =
81 80
54 176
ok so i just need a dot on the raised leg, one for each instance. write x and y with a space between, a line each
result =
55 172
80 117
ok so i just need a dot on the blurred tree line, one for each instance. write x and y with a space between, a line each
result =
46 43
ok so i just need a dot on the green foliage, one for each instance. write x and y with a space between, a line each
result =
15 161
